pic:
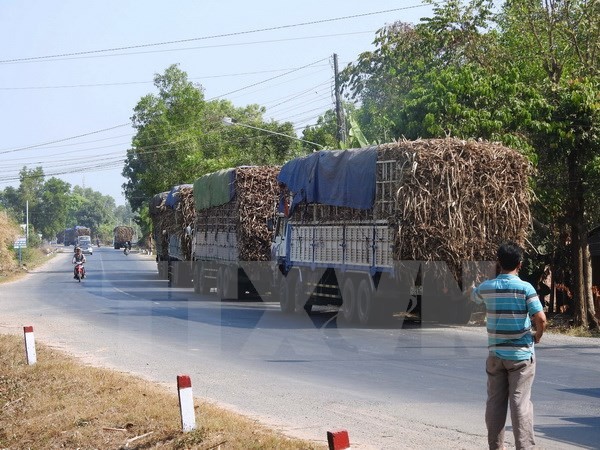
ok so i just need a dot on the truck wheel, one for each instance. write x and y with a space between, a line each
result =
227 283
169 274
302 301
201 285
221 282
349 301
365 303
197 275
286 296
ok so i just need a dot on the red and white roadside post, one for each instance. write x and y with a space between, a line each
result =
186 403
338 440
29 345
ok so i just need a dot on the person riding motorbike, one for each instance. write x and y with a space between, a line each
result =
78 258
127 247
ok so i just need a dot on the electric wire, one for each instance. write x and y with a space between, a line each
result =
190 48
237 33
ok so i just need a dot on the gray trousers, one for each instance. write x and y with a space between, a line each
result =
509 382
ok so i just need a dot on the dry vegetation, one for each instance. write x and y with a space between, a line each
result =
58 403
458 200
9 230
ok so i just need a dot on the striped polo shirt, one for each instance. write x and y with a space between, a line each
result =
509 303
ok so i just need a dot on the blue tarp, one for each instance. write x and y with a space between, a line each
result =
336 178
172 197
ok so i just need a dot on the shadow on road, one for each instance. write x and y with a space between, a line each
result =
585 431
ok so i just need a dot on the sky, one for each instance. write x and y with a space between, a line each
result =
71 72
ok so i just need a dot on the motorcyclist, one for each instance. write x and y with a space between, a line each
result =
127 247
78 258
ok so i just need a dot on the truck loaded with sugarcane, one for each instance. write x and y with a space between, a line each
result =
172 213
231 240
392 228
205 233
122 236
396 227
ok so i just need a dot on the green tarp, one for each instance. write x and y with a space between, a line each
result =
214 189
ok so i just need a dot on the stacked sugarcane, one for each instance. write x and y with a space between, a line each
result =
254 199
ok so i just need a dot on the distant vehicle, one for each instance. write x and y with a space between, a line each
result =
86 248
83 240
122 234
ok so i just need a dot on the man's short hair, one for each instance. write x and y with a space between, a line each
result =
510 254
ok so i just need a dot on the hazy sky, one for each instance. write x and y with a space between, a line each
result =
71 71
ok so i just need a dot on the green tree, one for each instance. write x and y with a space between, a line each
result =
167 134
53 207
559 39
91 209
180 137
10 200
527 76
30 192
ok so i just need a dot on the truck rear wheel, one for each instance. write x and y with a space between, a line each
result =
201 285
226 283
348 308
365 303
287 302
221 283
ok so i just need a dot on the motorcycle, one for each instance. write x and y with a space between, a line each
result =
79 271
126 250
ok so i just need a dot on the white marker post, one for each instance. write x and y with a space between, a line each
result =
30 345
186 403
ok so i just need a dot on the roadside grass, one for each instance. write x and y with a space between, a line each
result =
61 403
561 324
30 257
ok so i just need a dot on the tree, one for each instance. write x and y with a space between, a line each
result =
560 38
91 209
9 199
180 137
527 76
53 207
30 190
167 133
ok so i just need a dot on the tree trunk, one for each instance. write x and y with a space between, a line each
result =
589 295
583 299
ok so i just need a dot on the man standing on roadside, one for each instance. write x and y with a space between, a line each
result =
511 305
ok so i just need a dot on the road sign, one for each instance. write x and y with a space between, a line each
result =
20 242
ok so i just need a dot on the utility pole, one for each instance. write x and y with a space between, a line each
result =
27 220
339 111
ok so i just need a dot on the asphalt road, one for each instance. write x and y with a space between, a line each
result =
407 386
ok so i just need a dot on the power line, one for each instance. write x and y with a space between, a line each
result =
291 97
180 41
237 44
267 80
128 83
29 147
301 105
130 123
